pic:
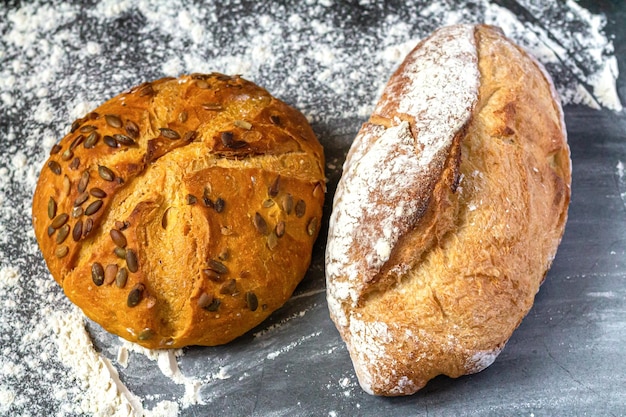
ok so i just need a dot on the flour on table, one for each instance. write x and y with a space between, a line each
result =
60 60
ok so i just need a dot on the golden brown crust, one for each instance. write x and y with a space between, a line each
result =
465 274
204 191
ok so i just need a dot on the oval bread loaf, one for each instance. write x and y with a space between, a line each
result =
182 212
449 212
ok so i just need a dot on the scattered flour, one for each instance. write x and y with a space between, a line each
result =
268 330
61 59
292 345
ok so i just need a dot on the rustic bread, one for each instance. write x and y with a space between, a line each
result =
183 211
449 212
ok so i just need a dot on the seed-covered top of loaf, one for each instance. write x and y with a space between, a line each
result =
191 156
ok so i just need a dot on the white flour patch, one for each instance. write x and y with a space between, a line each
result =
621 181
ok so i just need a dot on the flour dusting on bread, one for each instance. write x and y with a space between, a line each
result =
388 171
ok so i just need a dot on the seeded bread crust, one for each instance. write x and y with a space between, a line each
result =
183 211
449 212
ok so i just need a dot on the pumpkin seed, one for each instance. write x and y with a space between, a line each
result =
67 155
218 267
67 185
275 119
267 203
83 182
145 334
259 223
113 120
280 229
219 205
131 260
229 287
272 240
204 300
81 199
77 141
190 136
227 139
120 252
243 124
75 163
124 140
110 141
252 301
169 133
93 207
135 295
61 251
64 231
182 116
97 192
87 129
78 231
91 140
273 189
300 208
146 90
59 221
55 149
191 199
132 129
110 272
215 304
52 208
287 203
88 226
318 190
311 228
77 212
202 84
212 275
97 273
118 238
105 173
121 277
54 167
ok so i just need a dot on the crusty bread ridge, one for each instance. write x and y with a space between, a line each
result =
449 212
182 211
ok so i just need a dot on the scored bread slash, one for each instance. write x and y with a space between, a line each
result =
166 214
449 211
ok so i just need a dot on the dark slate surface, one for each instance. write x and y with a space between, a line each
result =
566 358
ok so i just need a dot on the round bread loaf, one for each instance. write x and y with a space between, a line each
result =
182 212
449 212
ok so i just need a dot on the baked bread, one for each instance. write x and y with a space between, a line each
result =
451 206
182 212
